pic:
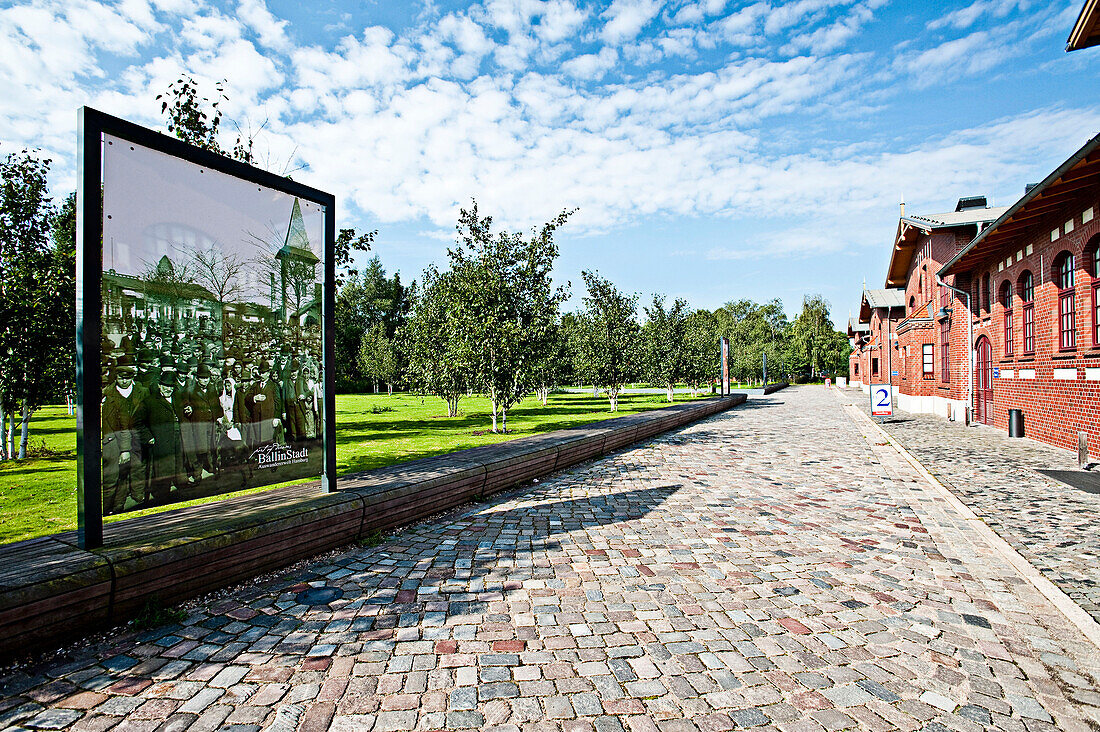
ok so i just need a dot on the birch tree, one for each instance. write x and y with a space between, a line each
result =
37 293
609 347
663 340
509 305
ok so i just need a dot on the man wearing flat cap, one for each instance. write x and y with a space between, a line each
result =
124 423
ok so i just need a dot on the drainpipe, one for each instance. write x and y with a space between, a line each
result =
969 347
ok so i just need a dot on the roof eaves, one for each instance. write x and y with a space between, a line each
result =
1061 170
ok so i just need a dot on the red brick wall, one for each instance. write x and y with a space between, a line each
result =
1054 410
932 252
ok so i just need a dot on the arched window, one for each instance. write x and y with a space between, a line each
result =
1092 257
1025 285
1062 274
1006 303
912 304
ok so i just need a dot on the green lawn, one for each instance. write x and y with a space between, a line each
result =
38 495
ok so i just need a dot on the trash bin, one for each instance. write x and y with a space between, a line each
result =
1015 423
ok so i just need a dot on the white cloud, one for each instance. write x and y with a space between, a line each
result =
271 30
626 18
966 17
411 124
591 65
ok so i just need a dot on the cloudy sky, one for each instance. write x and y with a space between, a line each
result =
716 149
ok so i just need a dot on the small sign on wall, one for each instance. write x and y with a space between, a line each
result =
882 403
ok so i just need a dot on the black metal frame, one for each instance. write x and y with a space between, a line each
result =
93 124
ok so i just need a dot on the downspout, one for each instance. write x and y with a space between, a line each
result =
969 347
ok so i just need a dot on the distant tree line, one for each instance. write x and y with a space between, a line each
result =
490 323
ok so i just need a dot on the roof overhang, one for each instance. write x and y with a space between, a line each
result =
905 243
1086 31
1069 182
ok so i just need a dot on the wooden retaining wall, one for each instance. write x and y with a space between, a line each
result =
51 591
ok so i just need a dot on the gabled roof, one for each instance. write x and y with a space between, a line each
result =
910 229
875 299
1086 31
1074 180
857 329
950 219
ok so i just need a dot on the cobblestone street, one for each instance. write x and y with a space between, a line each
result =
778 566
1052 524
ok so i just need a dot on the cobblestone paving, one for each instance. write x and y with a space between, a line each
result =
770 568
1055 526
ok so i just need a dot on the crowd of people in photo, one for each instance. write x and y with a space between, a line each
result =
188 400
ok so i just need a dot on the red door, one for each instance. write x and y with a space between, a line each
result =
983 381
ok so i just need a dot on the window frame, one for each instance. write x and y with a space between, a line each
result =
928 360
1093 255
1027 305
1063 276
1006 302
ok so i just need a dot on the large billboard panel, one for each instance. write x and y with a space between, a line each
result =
210 323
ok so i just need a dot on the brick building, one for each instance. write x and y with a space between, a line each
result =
1033 277
880 310
858 335
932 367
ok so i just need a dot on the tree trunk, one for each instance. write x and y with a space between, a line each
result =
376 389
494 415
595 390
3 435
452 405
504 419
613 395
11 434
670 388
389 388
27 412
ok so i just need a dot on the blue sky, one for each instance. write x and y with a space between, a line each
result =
716 149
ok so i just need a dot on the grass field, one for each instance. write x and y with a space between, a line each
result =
38 495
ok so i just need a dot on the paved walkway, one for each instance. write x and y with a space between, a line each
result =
776 567
1055 526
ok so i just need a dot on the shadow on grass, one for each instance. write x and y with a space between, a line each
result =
44 464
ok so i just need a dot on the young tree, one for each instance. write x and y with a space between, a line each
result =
435 342
509 306
609 347
576 328
377 358
556 367
663 341
37 282
701 350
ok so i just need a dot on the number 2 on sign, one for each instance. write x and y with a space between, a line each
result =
881 402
